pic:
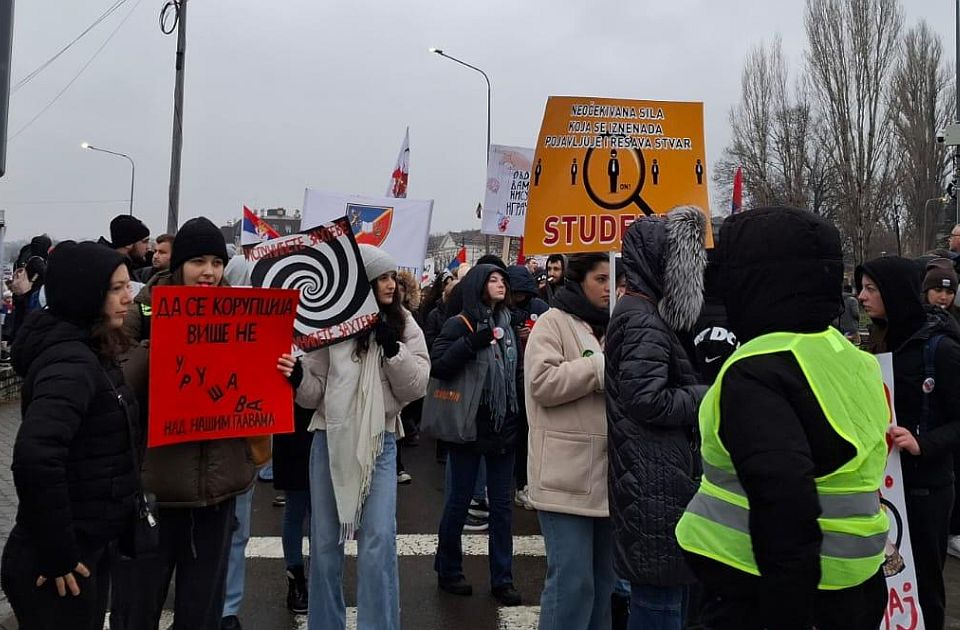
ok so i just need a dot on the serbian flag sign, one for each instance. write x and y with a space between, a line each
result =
213 363
737 203
324 265
255 230
401 172
458 260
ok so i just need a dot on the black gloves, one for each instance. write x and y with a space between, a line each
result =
480 339
387 338
296 377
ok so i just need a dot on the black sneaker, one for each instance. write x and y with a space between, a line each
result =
296 591
404 478
230 622
479 508
506 595
475 525
457 586
280 500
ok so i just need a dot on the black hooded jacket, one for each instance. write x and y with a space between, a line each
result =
451 352
905 332
781 271
652 395
72 461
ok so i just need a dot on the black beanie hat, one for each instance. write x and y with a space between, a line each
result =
940 276
197 237
127 230
78 278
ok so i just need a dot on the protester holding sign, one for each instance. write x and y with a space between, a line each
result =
652 399
358 387
926 369
195 483
792 431
477 353
73 461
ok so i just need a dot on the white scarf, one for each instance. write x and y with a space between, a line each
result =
355 431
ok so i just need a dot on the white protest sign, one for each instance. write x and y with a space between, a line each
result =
903 602
401 227
508 184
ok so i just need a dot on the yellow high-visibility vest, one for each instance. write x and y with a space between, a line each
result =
848 385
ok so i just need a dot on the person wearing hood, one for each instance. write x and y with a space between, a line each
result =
713 341
926 369
482 333
563 381
73 459
526 308
196 484
786 529
358 388
652 395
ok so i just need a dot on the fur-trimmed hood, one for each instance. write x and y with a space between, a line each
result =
664 259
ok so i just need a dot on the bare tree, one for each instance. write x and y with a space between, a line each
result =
852 50
921 103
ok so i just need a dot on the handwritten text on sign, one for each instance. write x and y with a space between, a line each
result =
213 363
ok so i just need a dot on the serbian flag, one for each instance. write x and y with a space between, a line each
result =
737 204
401 172
458 260
255 230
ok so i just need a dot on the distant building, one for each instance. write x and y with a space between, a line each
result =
442 248
283 221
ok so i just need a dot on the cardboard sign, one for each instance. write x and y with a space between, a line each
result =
508 187
600 163
401 227
213 363
323 264
903 602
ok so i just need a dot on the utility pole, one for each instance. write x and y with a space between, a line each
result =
6 52
173 213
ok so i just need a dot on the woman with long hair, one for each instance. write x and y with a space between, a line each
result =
358 388
73 459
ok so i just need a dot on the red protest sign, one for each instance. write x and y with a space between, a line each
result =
213 363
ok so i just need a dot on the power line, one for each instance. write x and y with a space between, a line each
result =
76 76
22 82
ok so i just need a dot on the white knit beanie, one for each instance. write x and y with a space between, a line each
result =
376 262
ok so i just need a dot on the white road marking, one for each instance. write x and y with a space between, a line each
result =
407 545
519 618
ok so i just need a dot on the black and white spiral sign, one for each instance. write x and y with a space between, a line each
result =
324 265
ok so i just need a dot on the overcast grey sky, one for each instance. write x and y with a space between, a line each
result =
286 94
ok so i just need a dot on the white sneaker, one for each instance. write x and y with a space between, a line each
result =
522 499
953 546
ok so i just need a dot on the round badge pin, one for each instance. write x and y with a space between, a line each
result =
929 385
587 353
498 333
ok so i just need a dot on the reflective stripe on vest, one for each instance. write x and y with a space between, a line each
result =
848 386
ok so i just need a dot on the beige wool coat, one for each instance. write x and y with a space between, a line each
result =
566 411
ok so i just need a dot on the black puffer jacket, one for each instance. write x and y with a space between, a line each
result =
72 461
653 395
451 352
905 332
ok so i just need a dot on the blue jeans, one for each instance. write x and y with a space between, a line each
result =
378 580
580 575
462 475
657 607
296 510
237 567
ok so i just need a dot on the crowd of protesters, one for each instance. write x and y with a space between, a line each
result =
705 454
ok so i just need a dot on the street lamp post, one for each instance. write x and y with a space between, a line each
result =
926 207
438 51
133 167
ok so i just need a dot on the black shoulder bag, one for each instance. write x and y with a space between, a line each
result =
142 536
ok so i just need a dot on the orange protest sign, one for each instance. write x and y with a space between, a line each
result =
213 363
600 163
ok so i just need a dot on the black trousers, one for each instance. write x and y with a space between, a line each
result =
42 608
194 542
857 608
928 514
